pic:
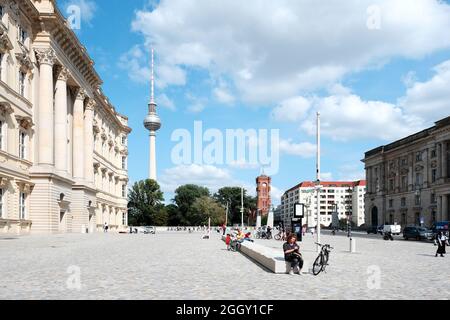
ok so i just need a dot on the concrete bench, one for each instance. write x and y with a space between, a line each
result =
272 259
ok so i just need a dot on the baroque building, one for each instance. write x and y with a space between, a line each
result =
408 181
63 146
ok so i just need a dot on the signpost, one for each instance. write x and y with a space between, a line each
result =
296 222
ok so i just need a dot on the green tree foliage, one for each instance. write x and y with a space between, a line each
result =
233 194
205 208
185 197
144 203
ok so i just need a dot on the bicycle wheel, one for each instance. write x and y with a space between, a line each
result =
317 266
277 237
325 258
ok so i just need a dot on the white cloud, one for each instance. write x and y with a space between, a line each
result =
304 149
326 176
277 49
429 100
164 101
223 96
137 64
207 176
292 110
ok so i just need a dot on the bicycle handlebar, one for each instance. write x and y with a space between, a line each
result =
324 245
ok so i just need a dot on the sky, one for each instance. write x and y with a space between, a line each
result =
376 70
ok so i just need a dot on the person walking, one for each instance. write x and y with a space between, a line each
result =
105 227
292 254
441 241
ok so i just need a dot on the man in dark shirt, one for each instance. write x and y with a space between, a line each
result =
292 254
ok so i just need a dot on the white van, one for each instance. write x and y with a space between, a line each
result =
394 229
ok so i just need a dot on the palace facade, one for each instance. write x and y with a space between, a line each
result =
63 145
408 181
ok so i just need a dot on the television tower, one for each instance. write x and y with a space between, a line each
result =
152 122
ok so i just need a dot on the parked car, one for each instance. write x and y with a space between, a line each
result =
440 226
149 230
418 233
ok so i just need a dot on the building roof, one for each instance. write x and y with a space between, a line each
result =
330 184
410 139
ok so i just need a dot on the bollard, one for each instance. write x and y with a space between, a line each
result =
352 245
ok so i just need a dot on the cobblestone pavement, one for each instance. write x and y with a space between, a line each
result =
183 266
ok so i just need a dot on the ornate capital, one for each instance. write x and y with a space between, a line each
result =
62 73
91 105
96 166
46 56
5 108
25 122
3 182
81 94
25 187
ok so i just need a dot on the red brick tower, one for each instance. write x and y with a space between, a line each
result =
263 194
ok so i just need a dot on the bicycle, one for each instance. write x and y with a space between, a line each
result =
322 259
280 236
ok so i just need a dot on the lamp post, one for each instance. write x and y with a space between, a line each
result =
318 186
242 208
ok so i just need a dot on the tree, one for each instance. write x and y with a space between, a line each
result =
185 197
233 195
144 203
161 217
173 215
205 208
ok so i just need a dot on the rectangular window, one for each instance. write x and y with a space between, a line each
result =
433 175
124 162
391 185
417 200
124 219
2 12
433 153
419 156
391 203
418 179
22 206
22 145
433 198
405 182
403 202
124 140
23 35
22 77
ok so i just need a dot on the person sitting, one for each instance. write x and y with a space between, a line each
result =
247 237
292 254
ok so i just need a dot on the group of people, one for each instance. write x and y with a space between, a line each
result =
237 236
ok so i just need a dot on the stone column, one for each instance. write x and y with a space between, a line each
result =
61 120
89 141
46 58
444 214
444 160
78 135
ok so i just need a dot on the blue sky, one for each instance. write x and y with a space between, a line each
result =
377 72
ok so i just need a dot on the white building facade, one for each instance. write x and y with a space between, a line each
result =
345 198
63 146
